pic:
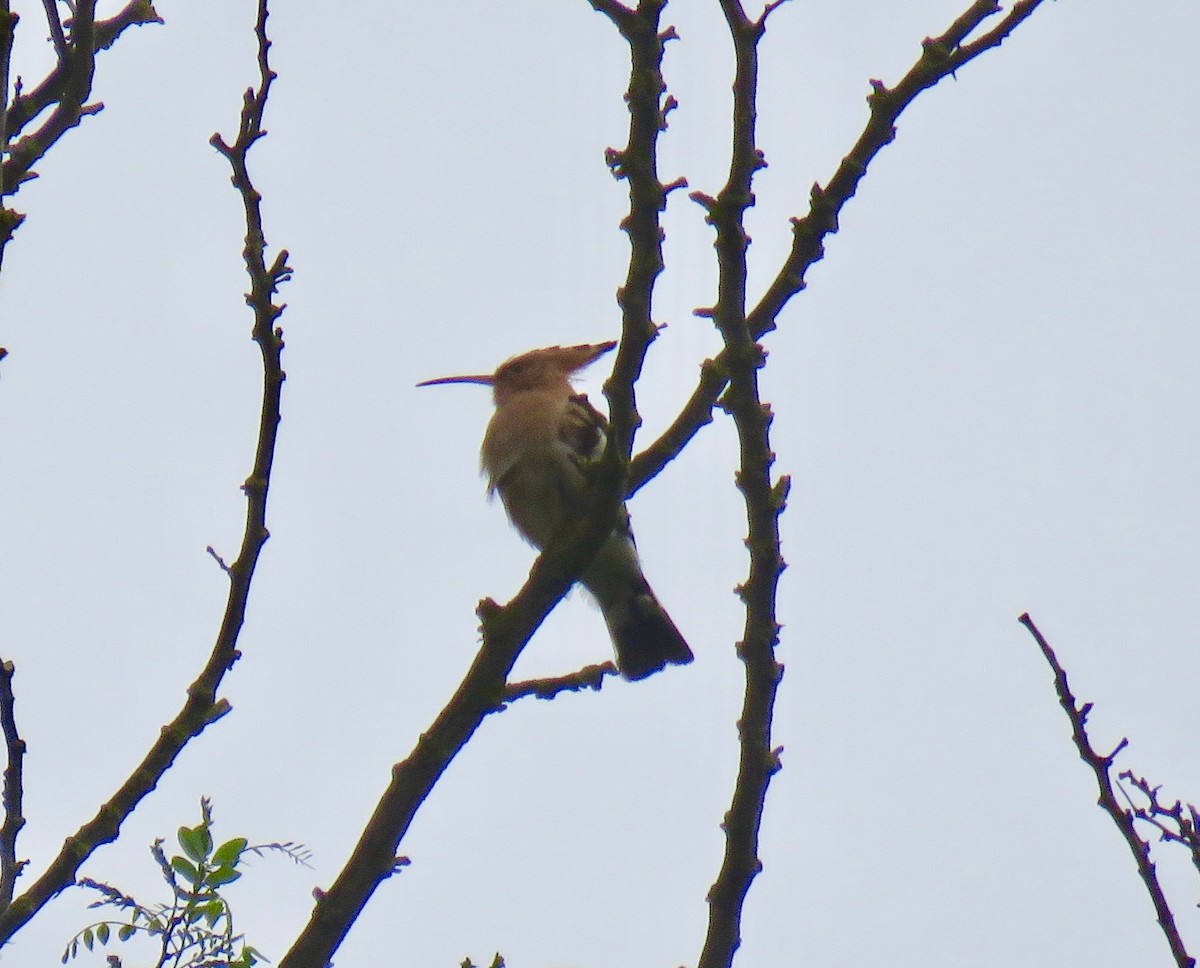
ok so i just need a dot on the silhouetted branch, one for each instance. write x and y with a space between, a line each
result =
1101 766
940 57
66 88
757 761
14 787
637 164
77 64
54 24
202 706
1182 821
589 677
9 220
51 89
483 690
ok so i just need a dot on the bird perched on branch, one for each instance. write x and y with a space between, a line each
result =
536 453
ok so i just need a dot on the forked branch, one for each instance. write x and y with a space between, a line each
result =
940 57
1101 766
201 706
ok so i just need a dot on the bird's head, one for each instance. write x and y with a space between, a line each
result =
546 369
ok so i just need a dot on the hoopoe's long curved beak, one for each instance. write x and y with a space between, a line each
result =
485 378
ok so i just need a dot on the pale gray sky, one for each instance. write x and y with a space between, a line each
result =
987 398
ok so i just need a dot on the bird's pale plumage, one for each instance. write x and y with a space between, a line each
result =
536 453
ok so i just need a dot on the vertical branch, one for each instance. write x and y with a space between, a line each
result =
9 220
637 163
264 283
1101 766
764 501
54 23
14 788
201 707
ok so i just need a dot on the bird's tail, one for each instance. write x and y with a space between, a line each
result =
643 635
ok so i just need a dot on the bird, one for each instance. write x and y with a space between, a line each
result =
536 453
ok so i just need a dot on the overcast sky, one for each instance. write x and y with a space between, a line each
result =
988 400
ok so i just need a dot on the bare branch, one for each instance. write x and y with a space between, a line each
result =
50 90
54 23
9 219
1101 766
76 68
483 690
940 57
589 677
14 788
637 163
66 88
202 706
757 761
1182 823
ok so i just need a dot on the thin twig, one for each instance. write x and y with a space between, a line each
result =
221 563
589 677
1185 822
757 761
202 706
14 788
1101 766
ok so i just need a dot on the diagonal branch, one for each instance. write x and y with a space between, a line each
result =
52 88
1101 766
940 57
77 69
66 88
202 706
483 691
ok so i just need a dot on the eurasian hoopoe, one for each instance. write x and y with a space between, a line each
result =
535 453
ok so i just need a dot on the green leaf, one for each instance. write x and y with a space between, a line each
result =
88 938
230 852
213 911
126 931
185 870
221 876
102 933
196 842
